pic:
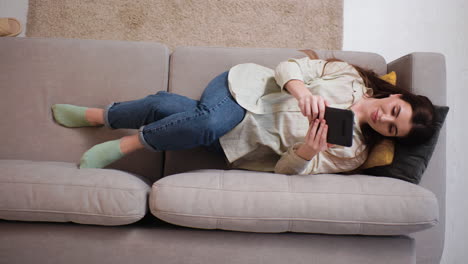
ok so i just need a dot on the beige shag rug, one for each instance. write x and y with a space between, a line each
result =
316 24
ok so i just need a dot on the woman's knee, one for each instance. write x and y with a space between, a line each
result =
210 124
160 105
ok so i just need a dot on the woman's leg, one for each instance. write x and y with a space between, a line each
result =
95 116
105 153
129 114
215 115
137 113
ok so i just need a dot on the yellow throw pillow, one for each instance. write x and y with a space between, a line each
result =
382 153
389 77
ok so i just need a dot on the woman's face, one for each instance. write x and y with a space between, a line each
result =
390 116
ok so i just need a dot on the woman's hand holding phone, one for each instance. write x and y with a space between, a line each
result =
312 106
315 140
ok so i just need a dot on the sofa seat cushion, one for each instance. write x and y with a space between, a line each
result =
60 192
265 202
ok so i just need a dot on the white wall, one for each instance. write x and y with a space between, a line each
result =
396 28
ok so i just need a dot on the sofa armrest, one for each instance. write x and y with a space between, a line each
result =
422 73
425 73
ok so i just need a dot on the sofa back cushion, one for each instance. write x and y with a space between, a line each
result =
37 73
192 68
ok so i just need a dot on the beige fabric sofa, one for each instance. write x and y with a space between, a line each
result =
120 214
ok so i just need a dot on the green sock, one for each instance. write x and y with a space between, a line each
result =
70 115
101 155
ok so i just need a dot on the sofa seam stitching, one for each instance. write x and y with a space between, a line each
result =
215 189
295 219
65 212
72 185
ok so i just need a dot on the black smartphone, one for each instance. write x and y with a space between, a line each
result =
340 126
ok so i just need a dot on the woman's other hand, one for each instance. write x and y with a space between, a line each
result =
315 140
312 106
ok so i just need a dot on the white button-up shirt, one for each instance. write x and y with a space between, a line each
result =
274 126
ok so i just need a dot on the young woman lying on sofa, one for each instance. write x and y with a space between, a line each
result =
263 119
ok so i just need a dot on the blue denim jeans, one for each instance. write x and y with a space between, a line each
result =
168 121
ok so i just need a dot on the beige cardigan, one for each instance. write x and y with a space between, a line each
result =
274 127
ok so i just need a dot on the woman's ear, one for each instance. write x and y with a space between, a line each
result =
393 95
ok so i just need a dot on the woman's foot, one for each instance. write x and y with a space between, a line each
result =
101 155
77 116
106 153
